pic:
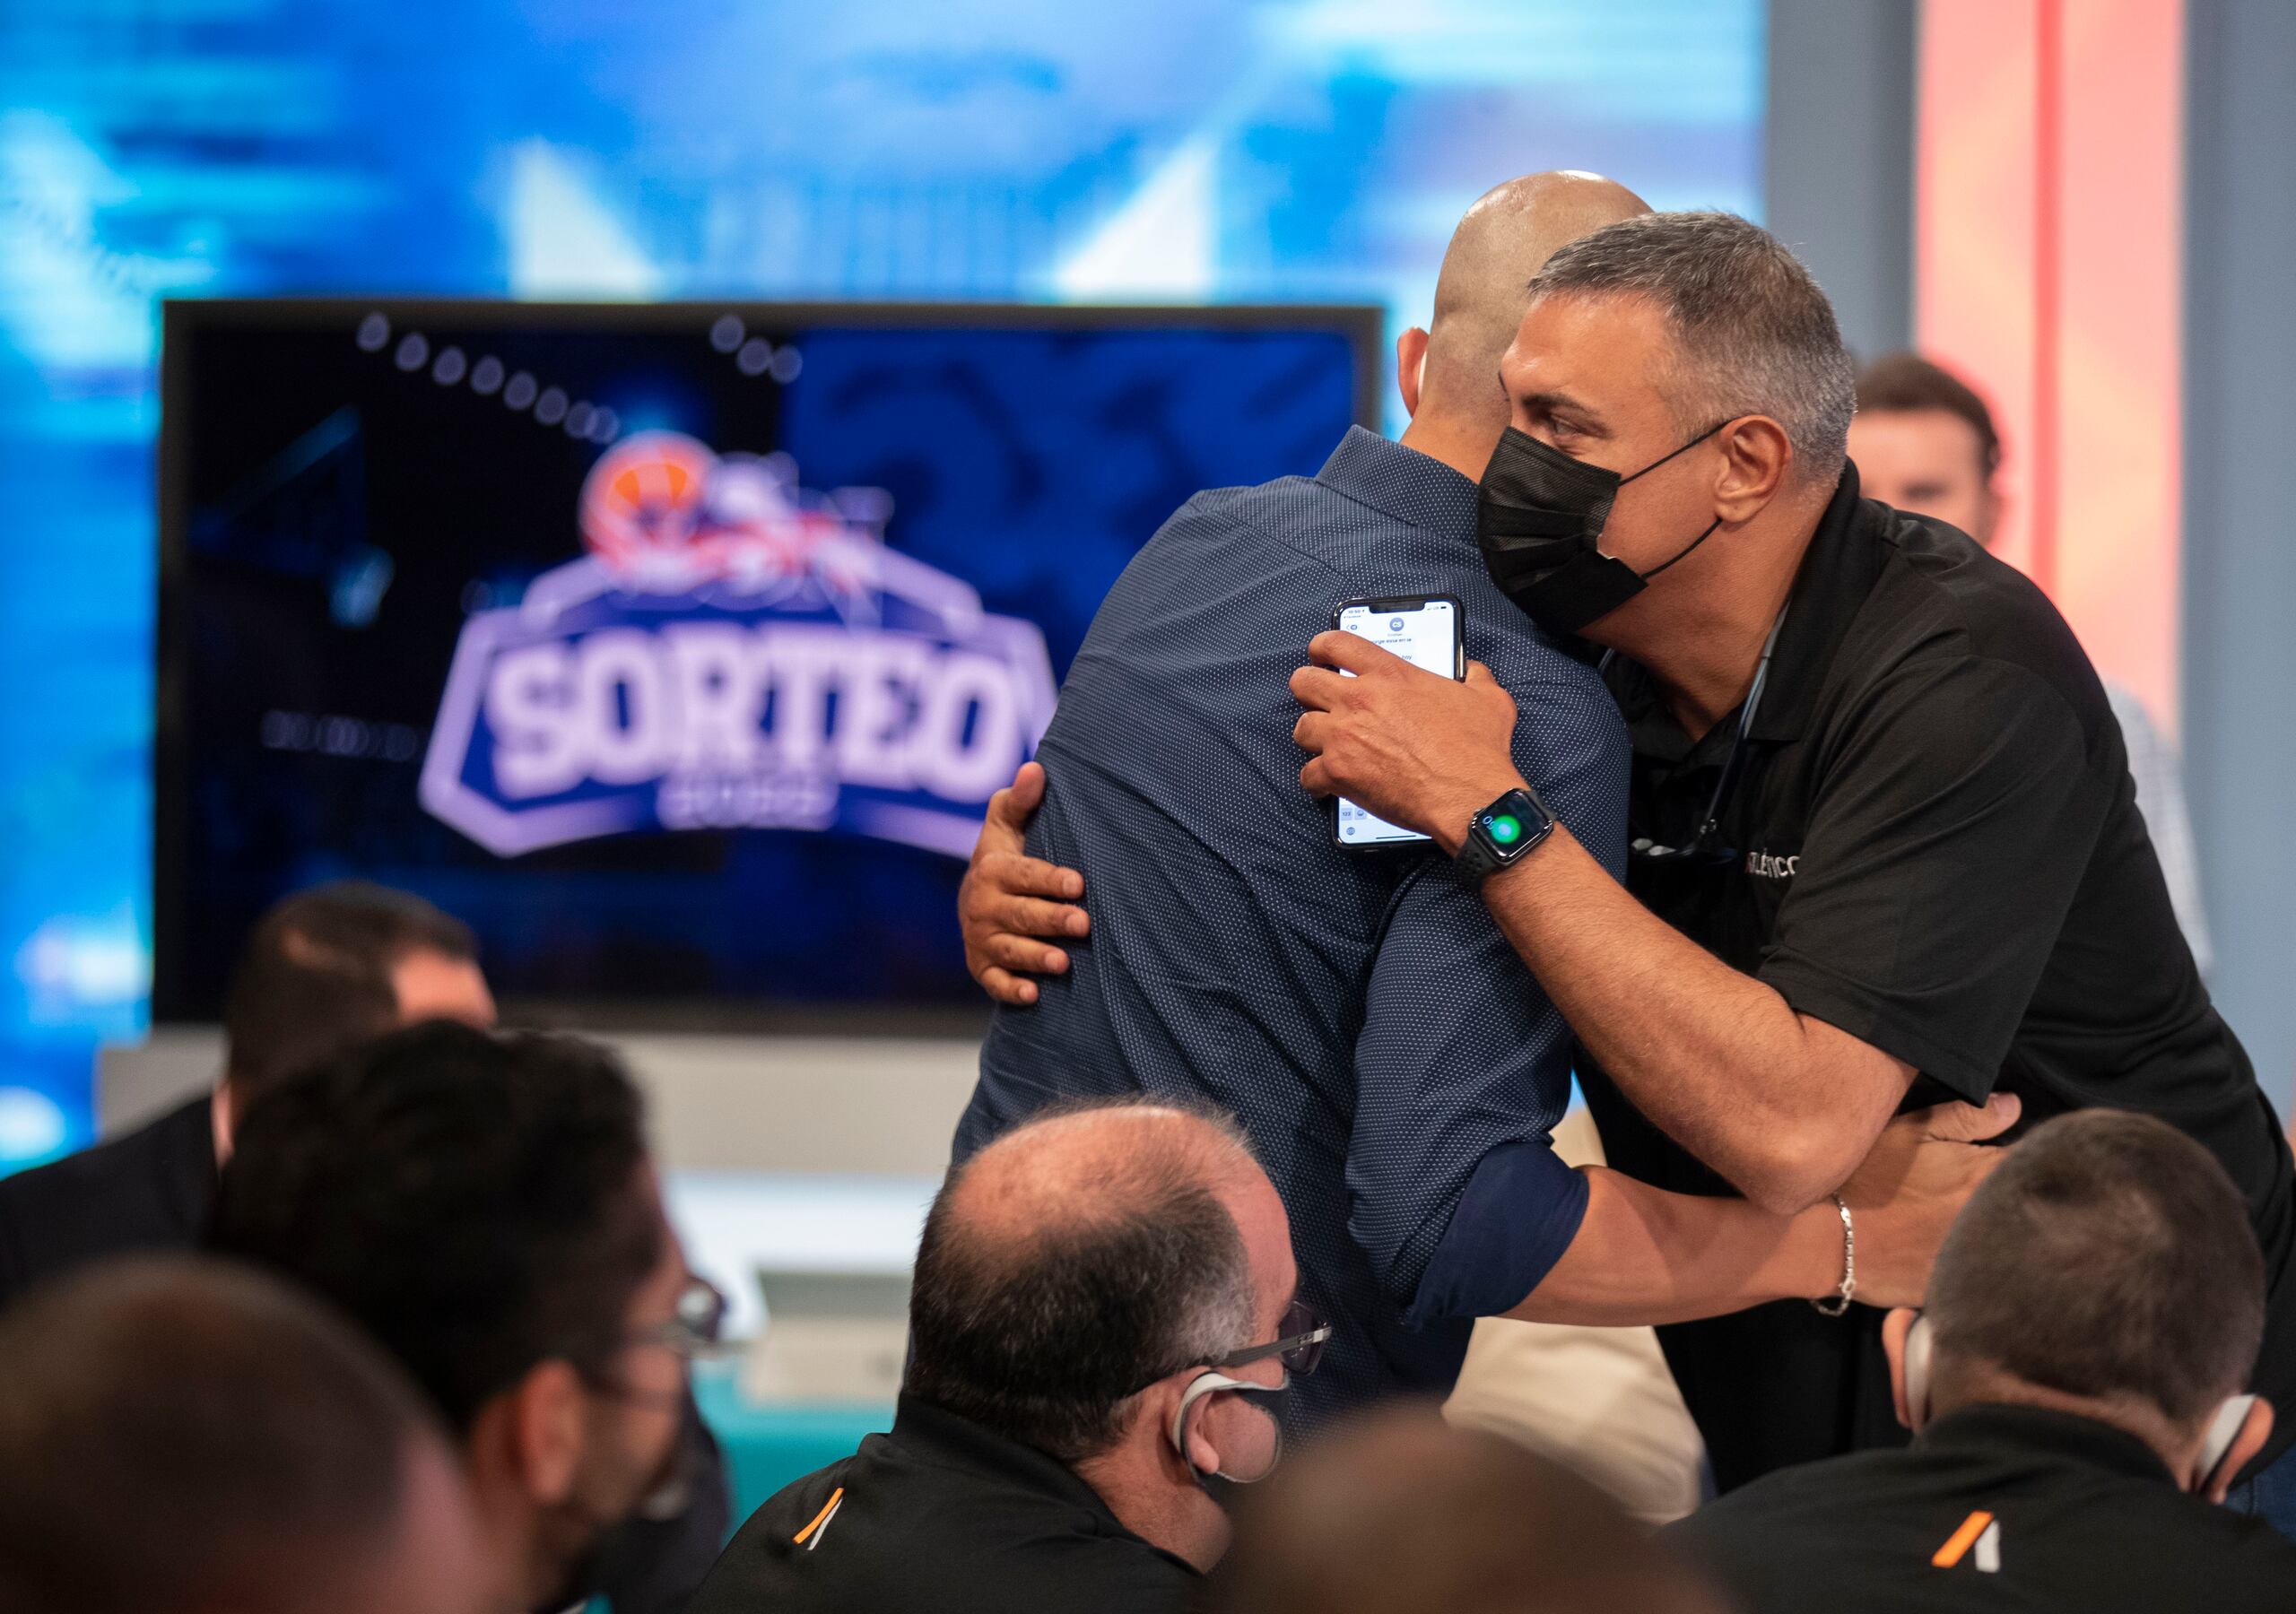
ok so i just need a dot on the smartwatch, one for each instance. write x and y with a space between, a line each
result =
1503 833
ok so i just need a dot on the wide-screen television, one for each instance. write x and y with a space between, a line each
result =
676 647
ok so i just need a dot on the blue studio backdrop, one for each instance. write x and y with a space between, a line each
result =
1180 152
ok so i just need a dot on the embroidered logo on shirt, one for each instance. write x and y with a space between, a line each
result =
1770 866
1981 1531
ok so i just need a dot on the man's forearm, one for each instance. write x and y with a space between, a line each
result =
1717 1060
1645 1255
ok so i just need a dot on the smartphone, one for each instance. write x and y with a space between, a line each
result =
1427 630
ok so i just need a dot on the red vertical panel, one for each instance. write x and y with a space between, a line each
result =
2047 226
2049 214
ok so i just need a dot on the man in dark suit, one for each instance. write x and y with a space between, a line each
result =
325 970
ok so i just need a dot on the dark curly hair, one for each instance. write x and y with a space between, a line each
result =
477 1201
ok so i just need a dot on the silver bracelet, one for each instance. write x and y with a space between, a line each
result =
1839 1303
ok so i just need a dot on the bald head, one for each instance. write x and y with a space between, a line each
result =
1484 287
1403 1514
1099 1163
1078 1259
180 1433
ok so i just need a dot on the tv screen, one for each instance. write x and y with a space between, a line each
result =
677 648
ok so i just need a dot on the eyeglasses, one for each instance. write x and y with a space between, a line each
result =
1706 848
697 1327
1300 1340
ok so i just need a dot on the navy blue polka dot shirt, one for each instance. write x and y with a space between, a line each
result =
1394 1065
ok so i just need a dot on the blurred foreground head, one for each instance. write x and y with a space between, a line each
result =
1403 1514
180 1435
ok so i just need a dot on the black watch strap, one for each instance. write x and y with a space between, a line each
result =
1504 833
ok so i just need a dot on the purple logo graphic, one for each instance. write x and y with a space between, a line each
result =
735 652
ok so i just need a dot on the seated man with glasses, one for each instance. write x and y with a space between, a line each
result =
1103 1312
484 1207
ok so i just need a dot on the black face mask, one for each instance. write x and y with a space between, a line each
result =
1539 516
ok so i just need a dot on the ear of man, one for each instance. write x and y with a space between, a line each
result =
543 1429
1895 1329
1411 367
1158 1416
1756 461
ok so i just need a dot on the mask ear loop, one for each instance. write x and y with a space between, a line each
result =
1685 448
2223 1431
1208 1384
1684 552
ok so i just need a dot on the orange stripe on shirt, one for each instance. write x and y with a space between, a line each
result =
828 1508
1960 1541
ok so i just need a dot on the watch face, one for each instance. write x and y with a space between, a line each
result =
1511 826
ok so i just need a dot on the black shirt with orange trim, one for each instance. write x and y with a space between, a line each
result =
1992 1507
942 1516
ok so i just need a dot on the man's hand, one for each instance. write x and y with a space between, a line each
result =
1003 905
1913 1183
1415 747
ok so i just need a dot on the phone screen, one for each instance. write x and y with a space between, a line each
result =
1424 633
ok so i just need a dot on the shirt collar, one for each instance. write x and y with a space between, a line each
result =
1411 487
1839 570
2001 1428
942 1437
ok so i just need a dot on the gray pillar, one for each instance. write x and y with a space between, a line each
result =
2240 536
1837 173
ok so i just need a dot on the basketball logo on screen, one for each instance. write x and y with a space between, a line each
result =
735 652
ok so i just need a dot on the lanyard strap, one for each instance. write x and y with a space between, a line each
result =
1734 764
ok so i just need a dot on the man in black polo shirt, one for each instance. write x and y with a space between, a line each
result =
2075 1386
1883 845
1103 1302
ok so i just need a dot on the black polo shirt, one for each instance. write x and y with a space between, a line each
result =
1938 850
1993 1507
942 1516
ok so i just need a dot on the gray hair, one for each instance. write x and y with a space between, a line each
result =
1075 1261
1754 334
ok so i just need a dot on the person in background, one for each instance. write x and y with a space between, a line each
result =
1400 1515
2075 1383
323 970
1103 1307
180 1436
1924 442
484 1206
